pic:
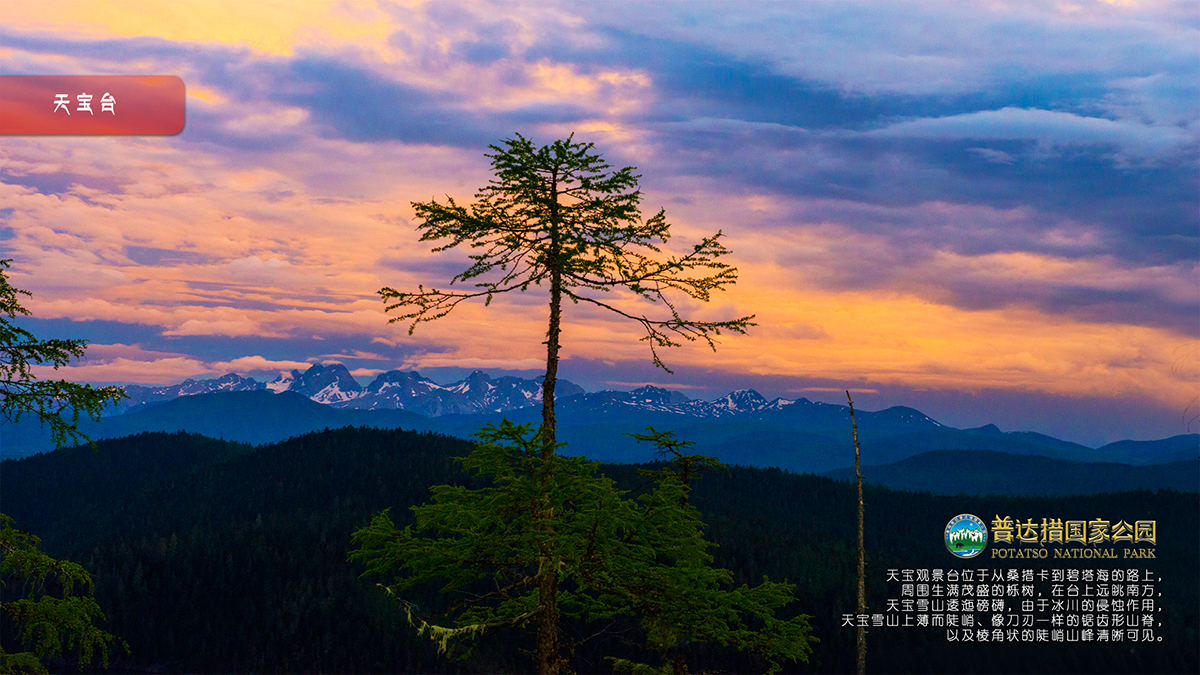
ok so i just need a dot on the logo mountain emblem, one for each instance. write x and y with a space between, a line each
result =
966 536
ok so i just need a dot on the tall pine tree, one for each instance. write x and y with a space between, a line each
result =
558 216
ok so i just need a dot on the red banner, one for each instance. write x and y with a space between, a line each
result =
91 105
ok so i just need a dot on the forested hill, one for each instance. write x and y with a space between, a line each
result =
217 557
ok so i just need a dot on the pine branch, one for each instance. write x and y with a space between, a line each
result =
658 331
443 635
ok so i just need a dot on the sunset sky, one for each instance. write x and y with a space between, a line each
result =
989 211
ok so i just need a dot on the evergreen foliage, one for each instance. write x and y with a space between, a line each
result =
101 477
54 612
680 597
21 393
534 511
644 557
238 564
558 216
50 623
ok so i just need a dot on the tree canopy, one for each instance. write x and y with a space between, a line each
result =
51 604
559 216
617 556
49 611
21 393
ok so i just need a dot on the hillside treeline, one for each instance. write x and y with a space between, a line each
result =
218 557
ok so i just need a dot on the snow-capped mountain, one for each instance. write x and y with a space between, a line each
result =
283 382
745 404
139 395
733 403
331 384
478 393
643 398
400 390
397 390
657 399
506 393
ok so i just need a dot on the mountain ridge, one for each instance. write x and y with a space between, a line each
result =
333 384
981 472
800 437
742 427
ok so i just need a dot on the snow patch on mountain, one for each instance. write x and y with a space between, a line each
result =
740 401
282 383
334 394
781 403
477 393
643 398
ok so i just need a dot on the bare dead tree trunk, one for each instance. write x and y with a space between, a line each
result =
860 631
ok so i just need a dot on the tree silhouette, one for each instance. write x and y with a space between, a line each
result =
860 632
557 216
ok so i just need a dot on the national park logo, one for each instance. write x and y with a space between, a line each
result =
966 536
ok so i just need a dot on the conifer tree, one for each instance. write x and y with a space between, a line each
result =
685 600
21 393
41 594
643 558
558 216
50 603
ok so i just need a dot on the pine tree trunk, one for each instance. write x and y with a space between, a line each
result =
551 378
548 657
547 634
552 331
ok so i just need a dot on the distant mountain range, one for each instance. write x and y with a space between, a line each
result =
741 427
478 393
333 385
